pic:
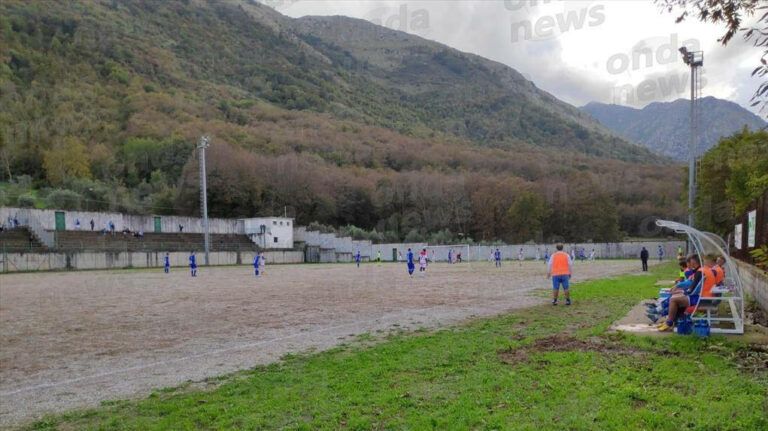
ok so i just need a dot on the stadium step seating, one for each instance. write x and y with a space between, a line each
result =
19 240
159 242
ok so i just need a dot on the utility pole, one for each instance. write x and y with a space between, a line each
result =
694 59
202 145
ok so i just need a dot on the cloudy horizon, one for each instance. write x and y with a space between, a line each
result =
621 52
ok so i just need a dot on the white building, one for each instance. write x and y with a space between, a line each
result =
270 232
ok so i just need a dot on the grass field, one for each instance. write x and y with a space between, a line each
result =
538 368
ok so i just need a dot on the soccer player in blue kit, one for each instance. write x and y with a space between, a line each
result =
192 264
409 262
167 263
357 258
256 264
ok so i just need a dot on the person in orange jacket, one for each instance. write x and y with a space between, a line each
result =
560 269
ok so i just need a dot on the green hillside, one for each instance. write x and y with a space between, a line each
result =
338 120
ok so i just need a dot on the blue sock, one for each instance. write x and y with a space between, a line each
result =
669 323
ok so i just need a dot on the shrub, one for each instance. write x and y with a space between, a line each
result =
25 201
65 200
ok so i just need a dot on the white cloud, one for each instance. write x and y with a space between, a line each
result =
580 51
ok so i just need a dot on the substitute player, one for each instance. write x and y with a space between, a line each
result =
560 269
409 262
192 264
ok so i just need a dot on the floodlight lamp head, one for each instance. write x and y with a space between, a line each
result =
687 56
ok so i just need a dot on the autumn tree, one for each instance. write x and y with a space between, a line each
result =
67 159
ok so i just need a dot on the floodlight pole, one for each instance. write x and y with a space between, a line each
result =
692 151
694 59
203 144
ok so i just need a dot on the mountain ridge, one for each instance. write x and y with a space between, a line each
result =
669 123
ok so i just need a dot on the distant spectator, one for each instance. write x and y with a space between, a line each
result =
140 234
181 227
92 224
661 253
15 222
111 225
77 224
644 258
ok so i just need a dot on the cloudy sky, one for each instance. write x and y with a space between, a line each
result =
611 51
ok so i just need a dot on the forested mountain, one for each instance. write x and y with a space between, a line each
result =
340 120
664 127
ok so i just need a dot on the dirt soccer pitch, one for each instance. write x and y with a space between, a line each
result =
75 339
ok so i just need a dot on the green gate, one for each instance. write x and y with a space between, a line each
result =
158 225
394 255
60 221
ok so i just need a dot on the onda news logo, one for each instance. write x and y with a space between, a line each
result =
548 19
403 18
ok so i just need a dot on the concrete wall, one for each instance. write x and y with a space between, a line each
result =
279 231
12 262
328 242
755 283
510 251
132 222
624 250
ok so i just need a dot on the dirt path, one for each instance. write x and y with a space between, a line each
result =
71 340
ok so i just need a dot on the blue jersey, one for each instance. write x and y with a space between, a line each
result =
256 261
167 261
192 261
497 255
409 258
357 257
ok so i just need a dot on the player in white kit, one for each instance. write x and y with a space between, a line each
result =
422 264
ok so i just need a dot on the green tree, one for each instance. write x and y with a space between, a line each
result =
733 174
526 217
